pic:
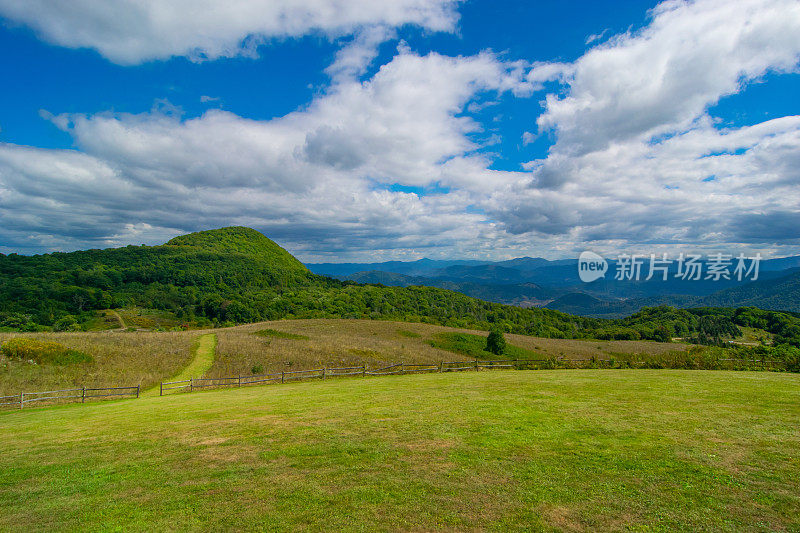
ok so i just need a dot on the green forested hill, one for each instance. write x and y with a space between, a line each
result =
188 275
236 275
240 241
780 294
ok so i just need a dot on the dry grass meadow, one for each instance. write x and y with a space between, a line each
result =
120 359
377 343
127 358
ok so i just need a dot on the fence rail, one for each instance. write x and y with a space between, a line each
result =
4 400
412 368
261 378
345 371
82 394
173 385
386 370
324 373
87 393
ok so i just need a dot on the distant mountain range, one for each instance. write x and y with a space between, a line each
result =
537 282
520 294
237 275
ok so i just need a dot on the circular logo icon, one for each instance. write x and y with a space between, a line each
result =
591 266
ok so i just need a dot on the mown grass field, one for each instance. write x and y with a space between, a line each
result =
572 450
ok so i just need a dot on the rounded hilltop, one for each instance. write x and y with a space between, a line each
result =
239 240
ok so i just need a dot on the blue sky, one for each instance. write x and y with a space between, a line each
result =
480 129
285 75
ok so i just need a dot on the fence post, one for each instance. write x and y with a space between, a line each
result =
21 399
476 364
363 370
161 389
240 380
441 366
83 395
137 390
283 374
323 373
191 384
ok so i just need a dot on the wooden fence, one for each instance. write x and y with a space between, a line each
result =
85 393
67 395
193 384
727 364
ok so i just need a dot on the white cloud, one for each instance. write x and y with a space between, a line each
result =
542 71
637 164
596 37
132 32
691 188
353 59
319 175
528 138
398 127
665 76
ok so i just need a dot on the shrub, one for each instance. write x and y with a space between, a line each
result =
257 369
43 352
67 323
279 334
789 355
496 343
19 322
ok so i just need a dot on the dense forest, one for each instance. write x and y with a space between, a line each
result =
237 275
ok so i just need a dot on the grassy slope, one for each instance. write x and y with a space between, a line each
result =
145 358
203 357
132 317
377 343
120 359
578 450
474 346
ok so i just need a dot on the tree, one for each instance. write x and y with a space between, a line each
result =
66 323
495 342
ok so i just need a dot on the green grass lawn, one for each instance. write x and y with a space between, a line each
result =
642 450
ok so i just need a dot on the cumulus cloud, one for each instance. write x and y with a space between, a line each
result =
690 188
398 127
132 32
353 59
665 76
639 163
320 175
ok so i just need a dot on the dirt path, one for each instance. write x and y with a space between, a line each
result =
202 361
122 324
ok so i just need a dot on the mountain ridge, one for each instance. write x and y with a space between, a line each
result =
233 275
237 275
498 281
